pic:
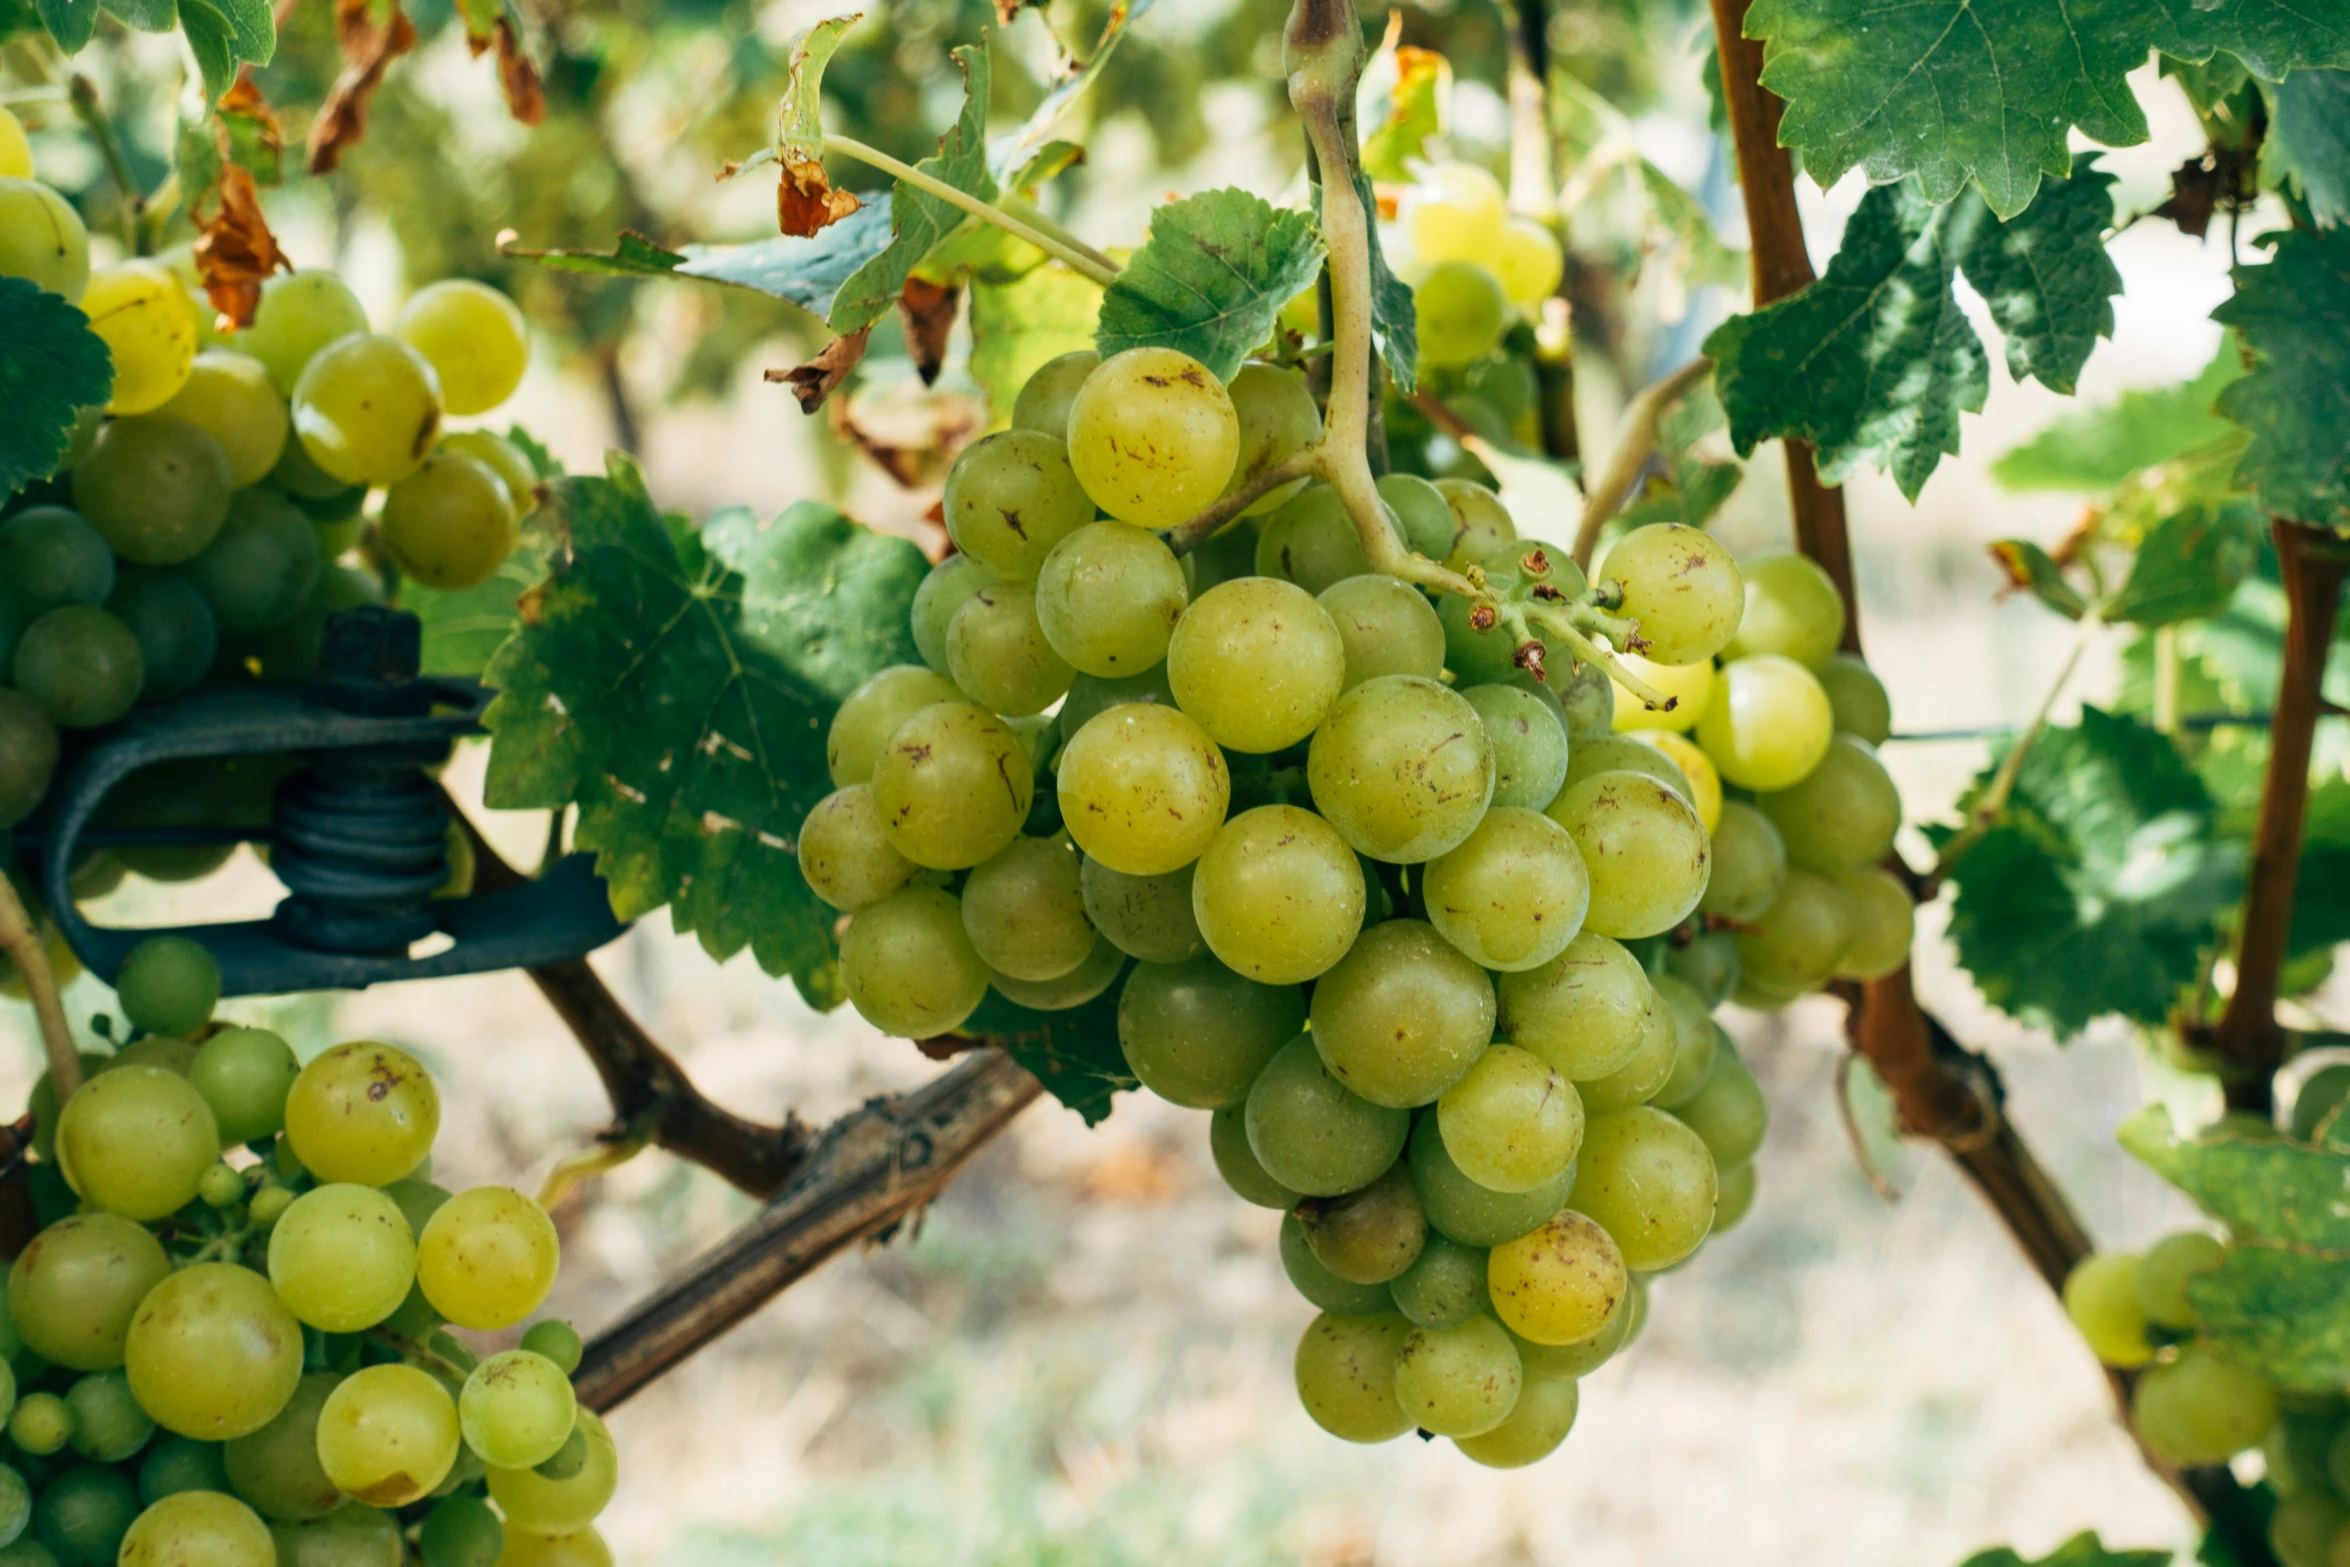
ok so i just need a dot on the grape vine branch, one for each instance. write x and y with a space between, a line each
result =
20 939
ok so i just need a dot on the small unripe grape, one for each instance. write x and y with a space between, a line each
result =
1043 403
909 966
1346 1375
1792 609
451 523
1462 312
168 985
1153 437
1010 498
473 336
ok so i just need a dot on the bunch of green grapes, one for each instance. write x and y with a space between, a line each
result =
236 1340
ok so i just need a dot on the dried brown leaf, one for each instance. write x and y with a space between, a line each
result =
370 43
526 96
234 251
805 201
821 376
928 312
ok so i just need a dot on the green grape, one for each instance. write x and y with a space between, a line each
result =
1801 937
1257 663
83 1515
156 488
1010 498
342 1257
1559 1284
1453 212
2320 1093
1758 997
387 1435
42 238
1513 894
1649 1182
1884 922
846 858
1467 1212
1346 1375
1841 816
1643 1077
1482 525
1108 596
2199 1409
350 1536
1735 1196
474 338
1597 754
908 964
49 558
245 1075
2302 1530
108 1424
1445 1285
157 1050
503 458
1024 912
1043 403
1402 768
29 750
229 396
1277 420
450 523
275 1468
1644 847
1680 587
172 624
1588 698
40 1424
486 1258
557 1340
1769 724
1153 436
362 1112
1312 542
1479 654
299 314
181 1464
1792 609
1311 1133
2164 1271
137 1141
1197 1034
1458 1381
1511 1123
198 1529
1530 264
16 148
1585 1356
1229 555
1462 311
1539 1421
1147 917
943 592
953 786
1529 744
869 715
1401 1016
1237 1163
290 653
1697 1041
997 652
577 1548
140 313
2296 1456
1090 696
1386 628
1750 865
367 409
2338 1462
1585 1012
1704 793
517 1409
1422 515
74 1289
461 1531
81 665
1686 691
1278 895
168 985
1366 1237
532 1501
1096 973
1143 789
1727 1112
213 1353
311 485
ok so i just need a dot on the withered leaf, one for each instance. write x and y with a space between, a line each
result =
370 40
821 376
928 311
234 251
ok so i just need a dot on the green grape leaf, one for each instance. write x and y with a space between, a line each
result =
633 256
1075 1054
2096 888
1010 151
691 738
919 220
808 272
1989 90
1211 279
812 581
2098 448
2082 1550
799 118
2036 572
51 367
148 16
1408 112
2190 565
70 22
1395 317
2295 314
1016 327
2309 136
224 34
465 627
2047 278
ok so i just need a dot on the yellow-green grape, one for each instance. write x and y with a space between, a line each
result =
1840 816
1147 917
1857 697
1025 912
156 487
473 336
40 1424
577 1548
1237 1163
1143 789
1482 527
1368 1236
387 1435
1278 895
1153 437
846 858
1529 262
1529 743
1644 847
363 1112
1705 783
167 985
532 1501
137 1141
1749 865
1314 1280
1644 1076
2200 1409
1513 894
487 1258
351 1536
2164 1271
1197 1034
1257 663
1403 1015
1623 753
503 458
1467 1212
230 397
1769 725
367 409
245 1075
1445 1285
1558 1284
1108 597
953 785
1697 1041
1010 498
1402 768
517 1409
74 1289
1277 420
1682 588
212 1352
1728 1112
276 1468
1453 211
29 750
1043 403
1649 1182
1462 312
1312 541
1801 938
1539 1421
1421 513
2101 1296
1792 609
198 1529
1512 1123
299 314
16 148
1345 1373
869 715
42 239
1736 1196
1585 1012
2301 1531
138 311
1458 1381
342 1257
1314 1135
1097 973
451 523
1884 922
943 592
259 570
1585 1356
1688 688
997 652
1387 627
909 966
463 1531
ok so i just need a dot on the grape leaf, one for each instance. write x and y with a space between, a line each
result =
465 627
1075 1054
51 367
2096 887
919 220
1988 90
2047 278
2190 565
1409 110
812 581
1395 320
2295 314
2031 569
70 22
808 272
2100 447
633 256
1016 327
2309 134
1211 279
1009 151
2082 1550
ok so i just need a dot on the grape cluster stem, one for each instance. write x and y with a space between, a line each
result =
1635 443
1028 224
21 940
